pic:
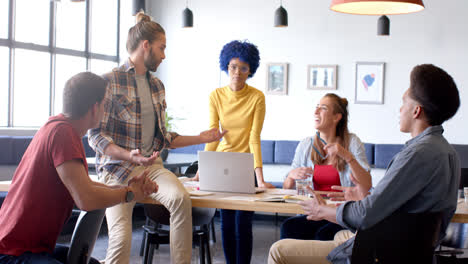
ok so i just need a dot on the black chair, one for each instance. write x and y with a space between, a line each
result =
190 172
83 239
400 238
456 234
157 231
456 239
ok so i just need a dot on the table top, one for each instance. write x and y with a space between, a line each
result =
246 202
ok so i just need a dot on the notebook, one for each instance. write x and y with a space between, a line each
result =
226 172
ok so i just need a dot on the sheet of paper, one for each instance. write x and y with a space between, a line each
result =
281 192
199 193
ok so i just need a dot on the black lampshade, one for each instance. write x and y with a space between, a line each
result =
383 26
137 6
281 17
187 18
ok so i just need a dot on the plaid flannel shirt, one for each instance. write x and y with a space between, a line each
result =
121 123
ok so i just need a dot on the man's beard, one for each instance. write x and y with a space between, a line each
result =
150 62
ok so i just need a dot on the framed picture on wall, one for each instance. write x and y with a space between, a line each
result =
369 83
321 77
277 78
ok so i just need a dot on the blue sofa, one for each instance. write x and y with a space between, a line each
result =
275 154
281 152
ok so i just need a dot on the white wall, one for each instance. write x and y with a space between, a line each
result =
315 35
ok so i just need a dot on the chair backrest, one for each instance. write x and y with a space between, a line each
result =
192 169
456 236
399 238
84 236
159 214
202 216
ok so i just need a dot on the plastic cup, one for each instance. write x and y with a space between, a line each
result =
465 192
301 186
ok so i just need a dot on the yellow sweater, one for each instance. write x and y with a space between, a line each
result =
242 114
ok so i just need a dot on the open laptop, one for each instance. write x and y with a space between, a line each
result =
226 172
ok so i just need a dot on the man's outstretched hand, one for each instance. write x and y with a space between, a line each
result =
212 135
137 158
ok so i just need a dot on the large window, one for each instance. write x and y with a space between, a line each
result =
71 25
100 67
32 21
104 29
4 5
4 83
66 67
50 41
32 82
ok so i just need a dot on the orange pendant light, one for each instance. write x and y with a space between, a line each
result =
377 7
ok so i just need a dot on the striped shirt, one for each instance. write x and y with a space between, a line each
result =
122 122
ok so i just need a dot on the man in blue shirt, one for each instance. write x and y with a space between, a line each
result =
422 177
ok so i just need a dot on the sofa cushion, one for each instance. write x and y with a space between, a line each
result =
87 148
268 151
6 143
189 149
2 197
369 152
462 154
20 144
384 154
284 151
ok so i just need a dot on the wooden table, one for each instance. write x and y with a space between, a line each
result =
237 201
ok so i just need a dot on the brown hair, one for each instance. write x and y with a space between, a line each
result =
81 92
436 91
144 29
339 106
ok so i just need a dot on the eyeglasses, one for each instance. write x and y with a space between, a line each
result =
243 69
321 108
316 150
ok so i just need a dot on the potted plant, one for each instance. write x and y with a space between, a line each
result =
168 123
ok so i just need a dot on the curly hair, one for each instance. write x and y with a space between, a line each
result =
244 50
436 91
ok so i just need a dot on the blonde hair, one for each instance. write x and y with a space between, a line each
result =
339 106
144 29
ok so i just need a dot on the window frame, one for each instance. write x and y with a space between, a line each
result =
53 50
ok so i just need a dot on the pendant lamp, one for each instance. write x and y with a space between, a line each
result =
281 16
383 26
137 6
377 7
187 17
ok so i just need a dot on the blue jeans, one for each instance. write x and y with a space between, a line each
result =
298 227
29 258
59 256
236 233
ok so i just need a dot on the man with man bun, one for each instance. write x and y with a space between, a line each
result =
130 136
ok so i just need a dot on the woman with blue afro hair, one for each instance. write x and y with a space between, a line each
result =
240 109
244 51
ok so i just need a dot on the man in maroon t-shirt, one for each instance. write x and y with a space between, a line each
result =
53 175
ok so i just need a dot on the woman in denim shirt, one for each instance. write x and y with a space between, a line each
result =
311 160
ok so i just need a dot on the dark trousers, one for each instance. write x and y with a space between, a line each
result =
236 233
29 258
59 256
298 227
